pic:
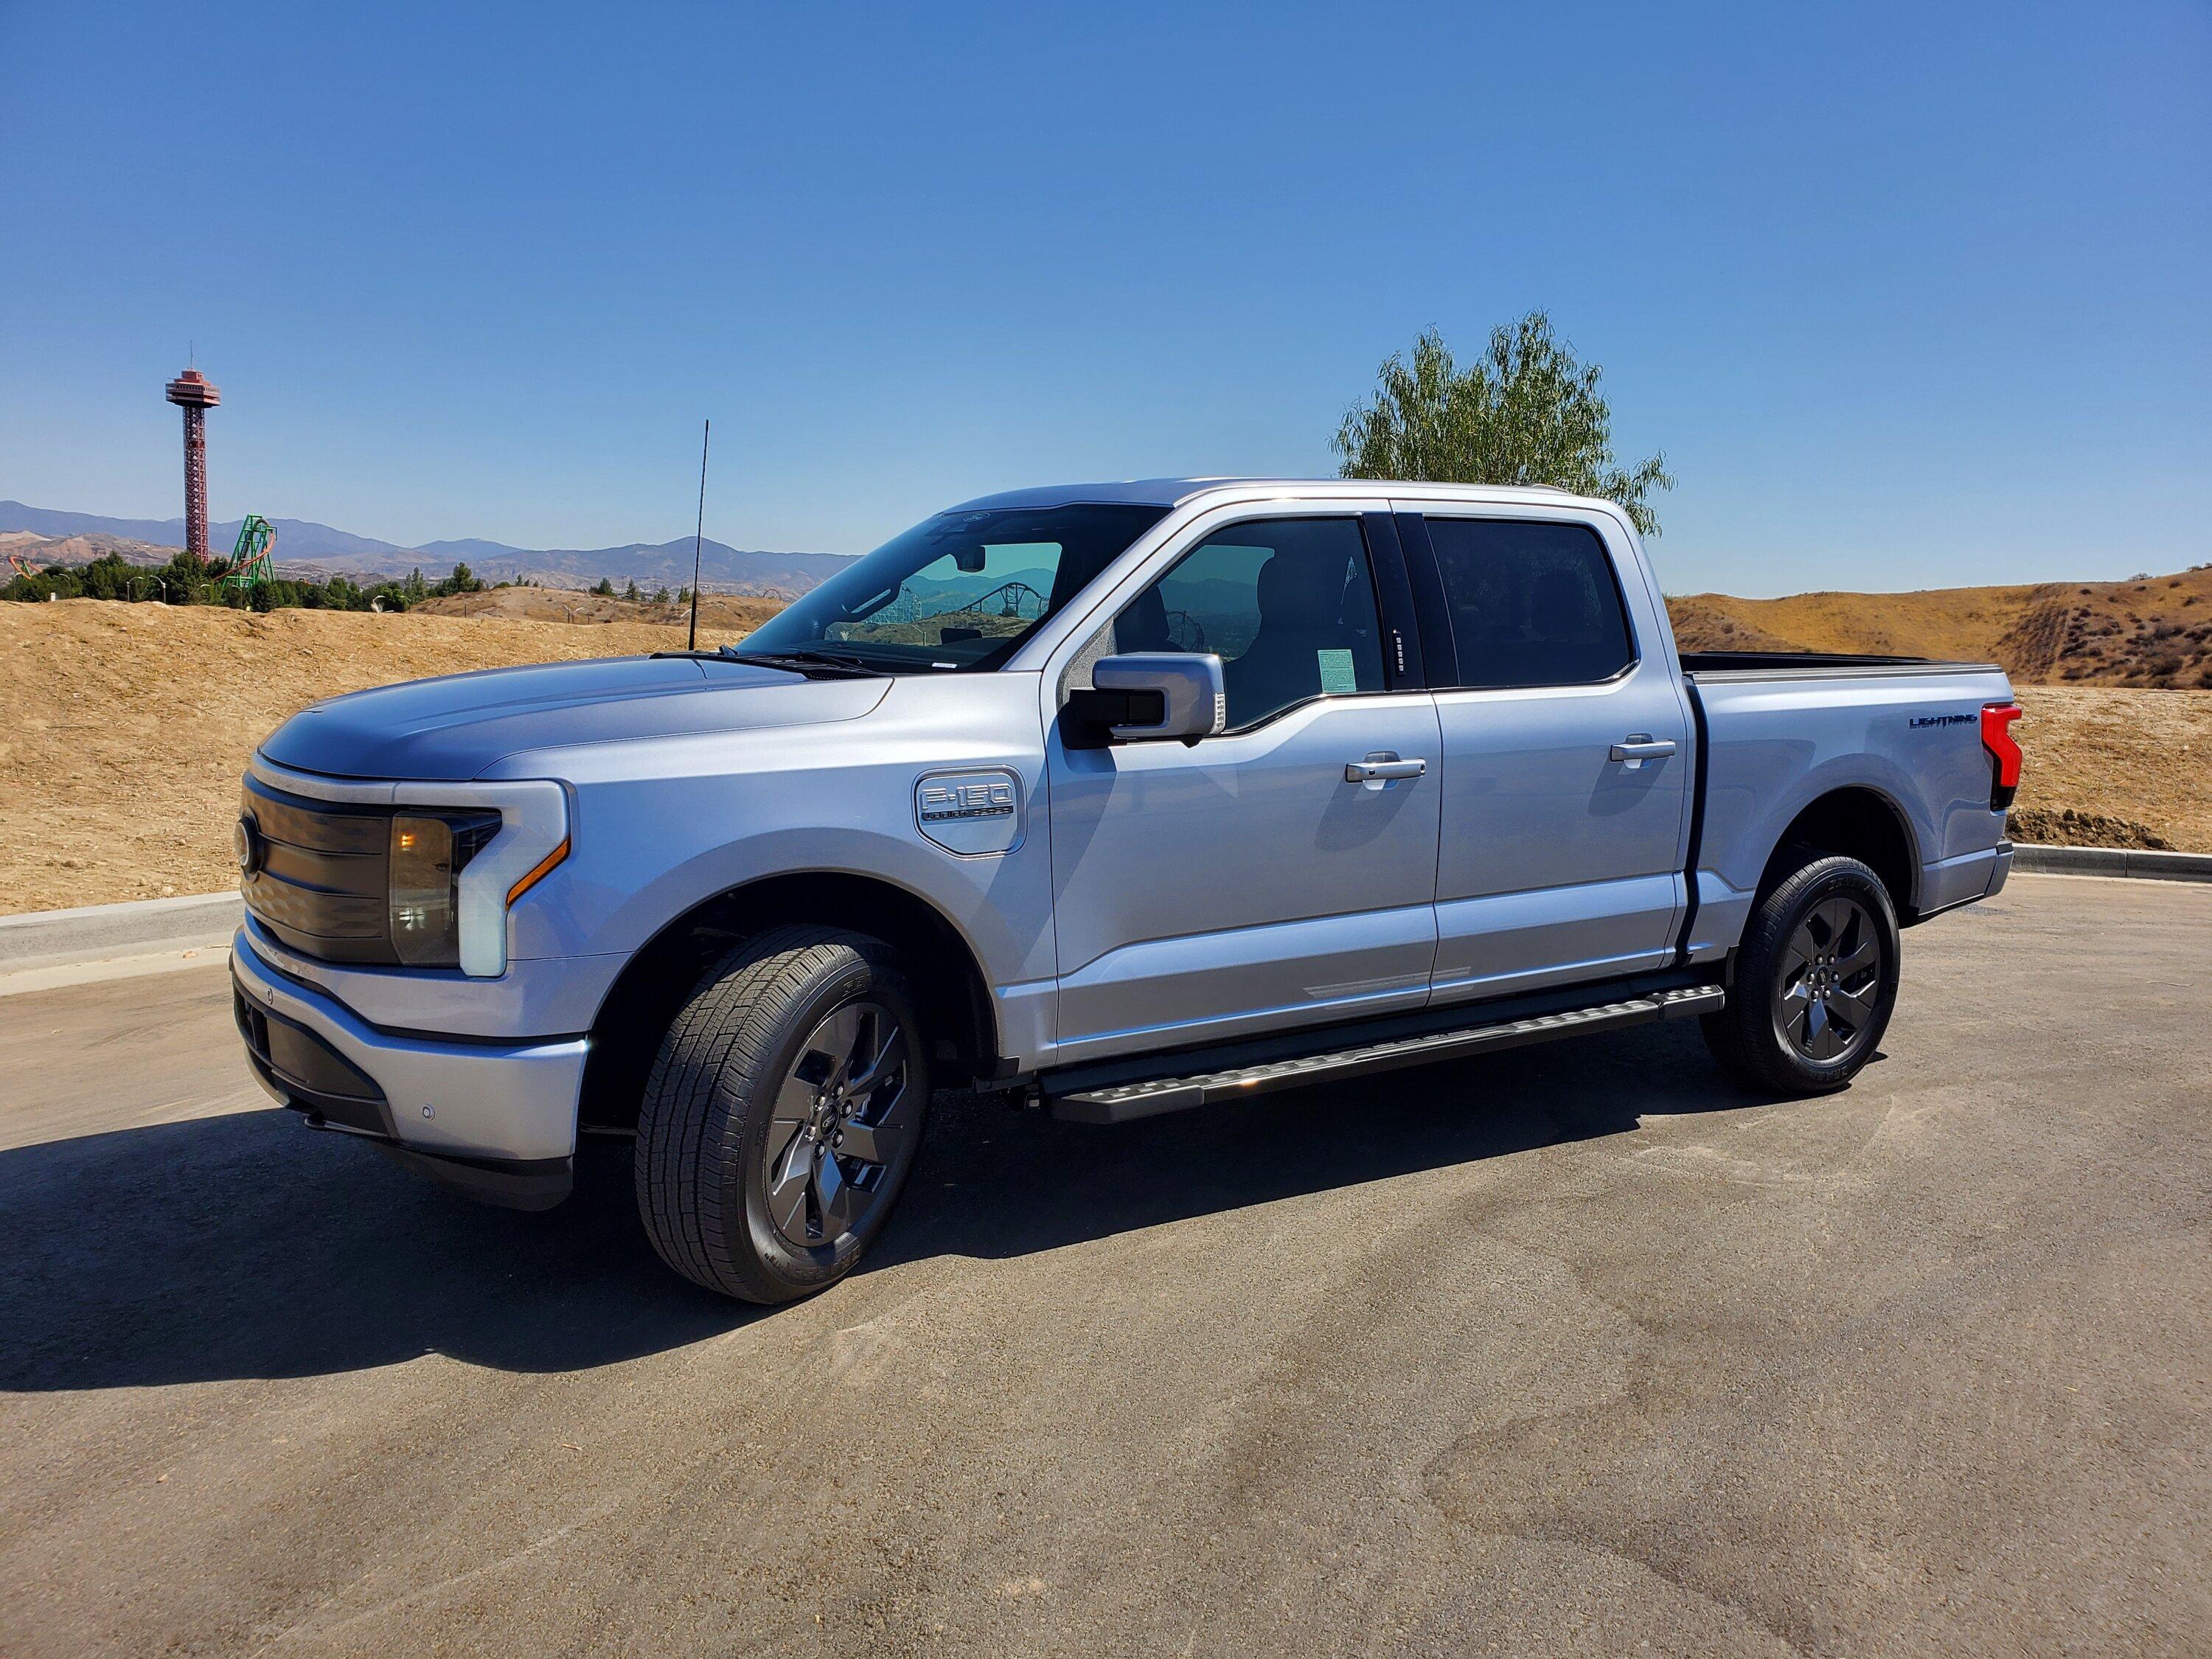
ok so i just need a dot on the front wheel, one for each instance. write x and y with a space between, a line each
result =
1815 981
783 1114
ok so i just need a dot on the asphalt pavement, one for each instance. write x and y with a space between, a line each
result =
1572 1349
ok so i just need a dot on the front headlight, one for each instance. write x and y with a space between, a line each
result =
461 855
429 854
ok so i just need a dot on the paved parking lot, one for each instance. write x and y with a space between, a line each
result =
1571 1349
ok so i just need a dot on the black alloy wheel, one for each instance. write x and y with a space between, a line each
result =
1814 980
1828 991
840 1122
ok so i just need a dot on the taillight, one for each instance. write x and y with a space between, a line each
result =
2004 751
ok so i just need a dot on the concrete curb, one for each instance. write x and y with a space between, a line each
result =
53 976
51 939
2112 861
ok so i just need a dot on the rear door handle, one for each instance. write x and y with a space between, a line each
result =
1380 767
1643 746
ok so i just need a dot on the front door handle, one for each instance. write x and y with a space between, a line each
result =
1380 767
1642 746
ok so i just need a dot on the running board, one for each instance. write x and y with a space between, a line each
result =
1121 1103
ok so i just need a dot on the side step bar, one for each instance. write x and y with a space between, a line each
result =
1124 1102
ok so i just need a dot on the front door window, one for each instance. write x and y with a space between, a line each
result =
1288 604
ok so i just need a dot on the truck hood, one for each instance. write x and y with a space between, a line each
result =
453 728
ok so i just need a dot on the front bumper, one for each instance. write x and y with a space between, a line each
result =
496 1119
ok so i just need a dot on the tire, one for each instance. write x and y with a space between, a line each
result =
1815 981
750 1122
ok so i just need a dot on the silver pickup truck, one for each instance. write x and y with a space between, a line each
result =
1116 800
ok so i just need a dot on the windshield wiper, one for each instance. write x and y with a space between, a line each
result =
810 663
834 660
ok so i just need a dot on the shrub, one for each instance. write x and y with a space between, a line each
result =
184 581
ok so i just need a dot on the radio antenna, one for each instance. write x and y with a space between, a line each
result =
699 533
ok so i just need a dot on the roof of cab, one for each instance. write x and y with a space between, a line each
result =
1170 492
1134 492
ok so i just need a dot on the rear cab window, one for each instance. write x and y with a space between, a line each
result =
1531 603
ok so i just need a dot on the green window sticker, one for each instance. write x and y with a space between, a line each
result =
1337 675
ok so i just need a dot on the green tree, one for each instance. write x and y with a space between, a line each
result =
183 580
630 591
1525 412
605 589
55 581
107 577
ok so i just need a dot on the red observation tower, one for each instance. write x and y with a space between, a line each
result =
195 396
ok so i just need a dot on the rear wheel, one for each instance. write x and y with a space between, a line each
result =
1815 981
782 1115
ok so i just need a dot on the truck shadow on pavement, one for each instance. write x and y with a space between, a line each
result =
245 1246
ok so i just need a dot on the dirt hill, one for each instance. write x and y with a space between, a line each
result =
37 551
124 728
2156 631
724 615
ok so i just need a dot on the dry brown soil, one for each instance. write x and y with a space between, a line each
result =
725 615
123 727
2141 758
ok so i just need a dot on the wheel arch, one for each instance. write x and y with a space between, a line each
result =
947 977
1856 821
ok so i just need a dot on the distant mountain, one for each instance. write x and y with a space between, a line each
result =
469 547
724 568
298 536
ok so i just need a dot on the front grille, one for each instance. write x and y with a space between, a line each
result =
322 884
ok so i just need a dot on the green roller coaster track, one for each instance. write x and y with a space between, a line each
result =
250 561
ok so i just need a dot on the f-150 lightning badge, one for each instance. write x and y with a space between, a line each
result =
970 812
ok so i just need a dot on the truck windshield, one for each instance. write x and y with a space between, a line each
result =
960 591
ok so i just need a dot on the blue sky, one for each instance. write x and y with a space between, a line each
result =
1909 296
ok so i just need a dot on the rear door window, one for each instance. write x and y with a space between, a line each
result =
1532 603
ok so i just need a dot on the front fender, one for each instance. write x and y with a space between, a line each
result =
662 827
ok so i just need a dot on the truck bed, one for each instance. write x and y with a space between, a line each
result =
1778 729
